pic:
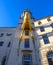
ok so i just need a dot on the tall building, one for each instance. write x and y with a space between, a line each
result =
30 43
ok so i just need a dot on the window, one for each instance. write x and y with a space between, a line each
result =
45 38
9 44
39 22
3 61
1 43
50 58
42 28
26 32
1 34
51 25
26 43
27 60
48 19
8 34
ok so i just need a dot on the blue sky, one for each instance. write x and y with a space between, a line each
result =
10 10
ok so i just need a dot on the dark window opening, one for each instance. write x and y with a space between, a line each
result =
39 22
1 43
50 58
45 38
48 19
51 25
9 44
8 34
27 60
26 32
1 34
3 61
42 28
26 43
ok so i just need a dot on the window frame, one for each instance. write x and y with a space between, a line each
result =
1 43
46 39
27 55
9 44
8 34
1 34
50 57
26 44
42 29
4 60
39 22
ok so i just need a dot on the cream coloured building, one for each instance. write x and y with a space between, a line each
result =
30 43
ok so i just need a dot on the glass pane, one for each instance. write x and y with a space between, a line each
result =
42 28
3 61
1 43
26 43
26 57
45 38
9 44
50 58
27 60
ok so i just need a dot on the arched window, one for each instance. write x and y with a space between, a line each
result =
50 58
